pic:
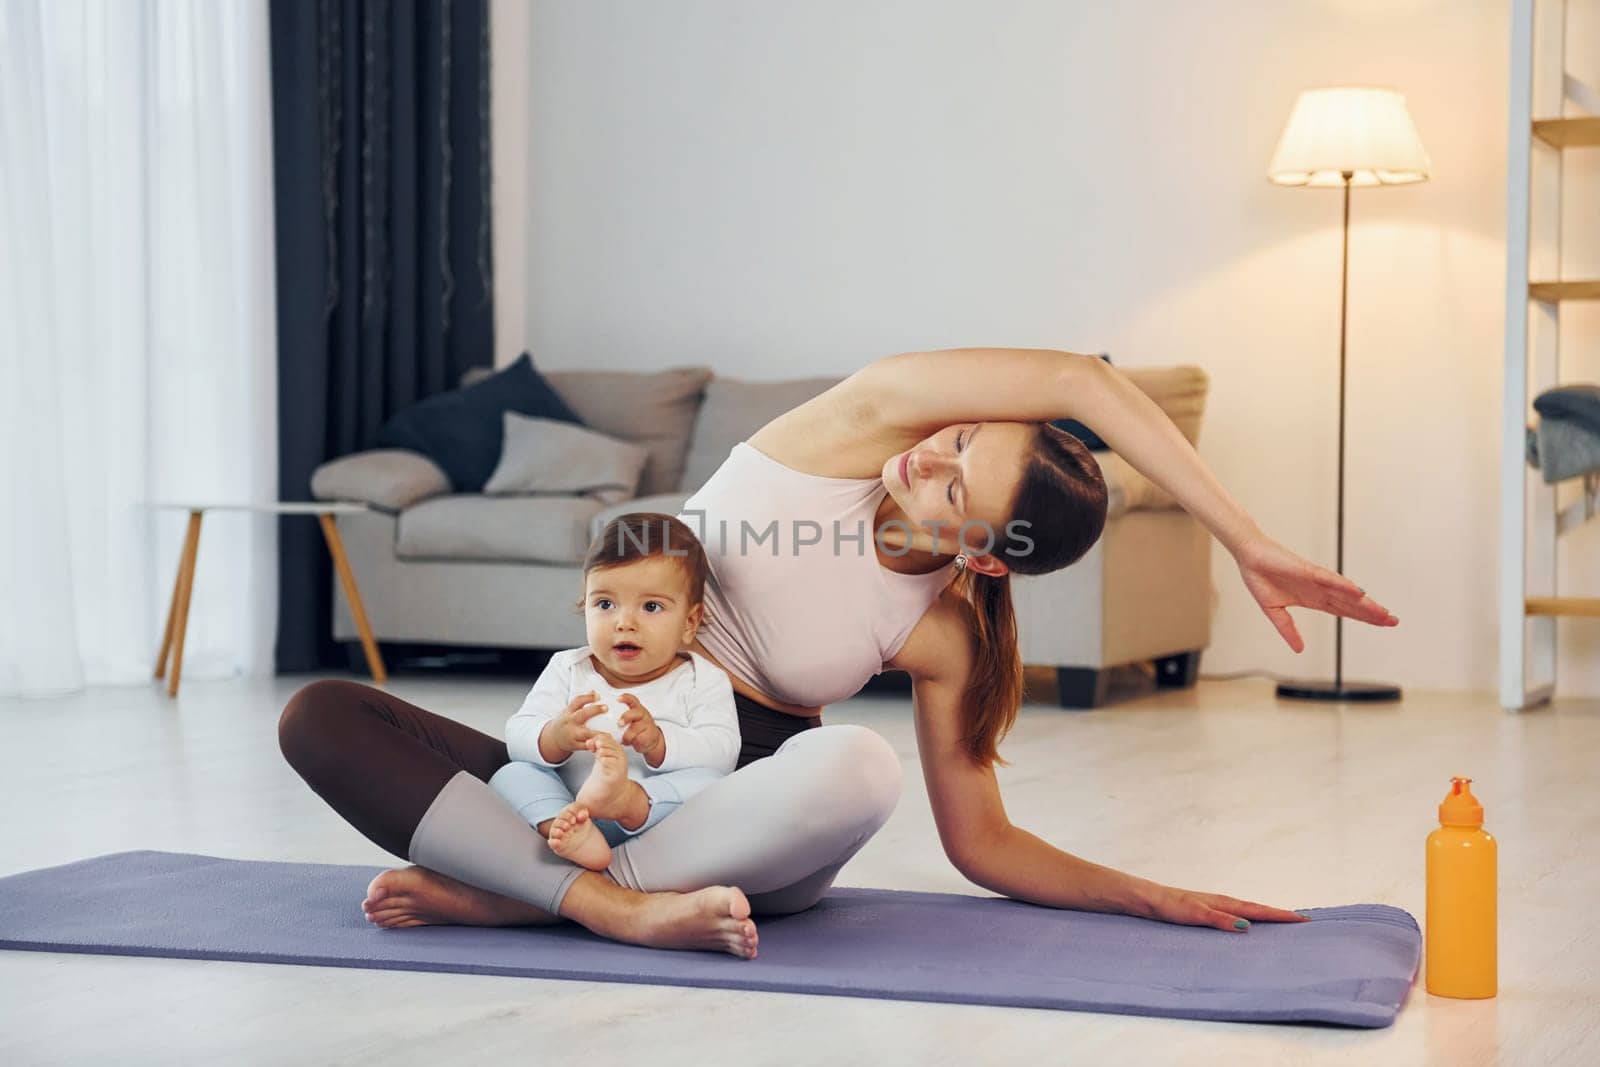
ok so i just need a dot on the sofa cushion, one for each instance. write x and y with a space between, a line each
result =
460 430
548 456
656 410
531 529
732 411
390 479
664 503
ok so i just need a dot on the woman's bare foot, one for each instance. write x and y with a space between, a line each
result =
715 919
606 791
574 837
417 896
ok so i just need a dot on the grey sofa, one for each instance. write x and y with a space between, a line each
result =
475 570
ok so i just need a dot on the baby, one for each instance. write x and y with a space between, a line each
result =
615 735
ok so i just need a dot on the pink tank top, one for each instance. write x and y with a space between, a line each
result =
797 603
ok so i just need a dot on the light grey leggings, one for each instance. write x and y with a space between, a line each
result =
537 792
779 828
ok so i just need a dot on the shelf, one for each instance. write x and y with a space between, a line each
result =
1564 605
1531 599
1550 292
1568 133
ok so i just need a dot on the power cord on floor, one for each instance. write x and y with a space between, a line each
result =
1230 676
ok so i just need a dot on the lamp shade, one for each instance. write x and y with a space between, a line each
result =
1363 130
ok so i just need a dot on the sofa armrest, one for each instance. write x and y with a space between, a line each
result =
1143 591
389 479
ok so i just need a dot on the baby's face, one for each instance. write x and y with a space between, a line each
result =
638 616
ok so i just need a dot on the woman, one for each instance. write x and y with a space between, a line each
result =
919 445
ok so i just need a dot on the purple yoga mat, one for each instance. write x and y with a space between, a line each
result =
1349 965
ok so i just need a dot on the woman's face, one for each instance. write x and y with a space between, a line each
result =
966 473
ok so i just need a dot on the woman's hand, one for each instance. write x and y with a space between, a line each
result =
1210 909
1279 580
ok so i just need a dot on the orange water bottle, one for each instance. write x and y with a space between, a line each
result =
1461 899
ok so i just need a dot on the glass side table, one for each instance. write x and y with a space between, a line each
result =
178 611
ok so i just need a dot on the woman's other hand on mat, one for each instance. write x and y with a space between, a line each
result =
1280 580
1211 909
640 732
566 732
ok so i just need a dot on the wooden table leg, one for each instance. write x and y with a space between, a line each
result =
172 614
191 548
330 532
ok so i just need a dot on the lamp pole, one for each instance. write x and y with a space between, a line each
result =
1344 304
1339 690
1342 133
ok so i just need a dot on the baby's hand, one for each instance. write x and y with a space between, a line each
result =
640 732
566 733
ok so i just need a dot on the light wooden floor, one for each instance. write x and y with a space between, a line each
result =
1218 788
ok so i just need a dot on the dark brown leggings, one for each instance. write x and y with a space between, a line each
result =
380 762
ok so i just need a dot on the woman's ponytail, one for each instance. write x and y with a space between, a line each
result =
994 691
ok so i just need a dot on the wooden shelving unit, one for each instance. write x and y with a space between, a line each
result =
1531 520
1564 605
1568 133
1555 292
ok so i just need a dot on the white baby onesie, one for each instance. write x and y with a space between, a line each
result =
692 703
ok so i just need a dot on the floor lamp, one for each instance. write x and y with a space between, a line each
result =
1341 137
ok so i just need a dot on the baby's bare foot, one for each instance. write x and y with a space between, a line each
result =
573 837
715 919
605 792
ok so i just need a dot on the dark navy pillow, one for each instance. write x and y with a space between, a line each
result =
463 430
1090 439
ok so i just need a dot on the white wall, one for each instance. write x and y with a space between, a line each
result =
778 189
511 135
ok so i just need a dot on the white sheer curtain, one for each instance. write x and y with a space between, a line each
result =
137 336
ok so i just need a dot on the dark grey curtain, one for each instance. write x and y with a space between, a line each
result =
380 118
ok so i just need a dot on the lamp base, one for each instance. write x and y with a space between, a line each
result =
1362 692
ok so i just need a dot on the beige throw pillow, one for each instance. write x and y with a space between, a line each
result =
549 456
655 409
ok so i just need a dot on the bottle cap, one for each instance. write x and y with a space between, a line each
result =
1460 807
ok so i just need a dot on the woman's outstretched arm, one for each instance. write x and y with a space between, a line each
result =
922 391
912 392
975 831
